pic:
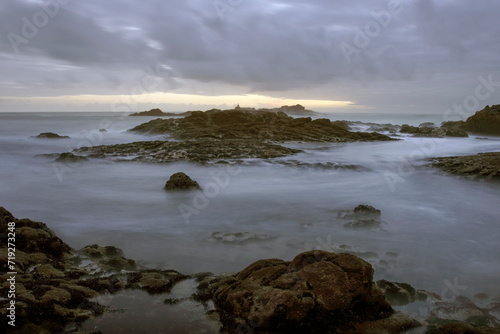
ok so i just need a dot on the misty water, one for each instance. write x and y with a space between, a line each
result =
438 229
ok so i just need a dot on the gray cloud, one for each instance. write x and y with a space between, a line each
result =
266 46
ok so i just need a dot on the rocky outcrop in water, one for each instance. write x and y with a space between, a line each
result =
200 151
482 165
447 129
69 157
486 121
180 181
255 125
50 135
317 290
363 217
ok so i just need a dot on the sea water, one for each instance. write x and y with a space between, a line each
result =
440 232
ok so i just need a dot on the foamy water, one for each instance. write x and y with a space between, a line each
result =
442 228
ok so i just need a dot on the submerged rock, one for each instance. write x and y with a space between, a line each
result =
50 135
317 290
69 157
399 293
180 181
368 224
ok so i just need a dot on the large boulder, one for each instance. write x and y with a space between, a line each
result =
317 290
486 121
180 181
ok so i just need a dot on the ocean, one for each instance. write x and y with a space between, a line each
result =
439 231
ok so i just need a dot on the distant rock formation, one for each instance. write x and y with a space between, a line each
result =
483 122
260 125
297 110
180 181
50 135
158 112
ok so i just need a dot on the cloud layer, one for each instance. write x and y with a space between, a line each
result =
410 54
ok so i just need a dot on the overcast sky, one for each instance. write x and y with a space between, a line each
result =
408 56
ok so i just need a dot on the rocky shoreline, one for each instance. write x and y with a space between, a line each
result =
317 292
482 165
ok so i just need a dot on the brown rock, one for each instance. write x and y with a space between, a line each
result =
486 121
180 181
316 290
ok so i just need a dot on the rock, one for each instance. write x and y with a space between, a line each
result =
482 165
317 290
69 157
427 125
461 328
180 181
367 210
255 125
486 121
447 129
405 128
50 135
56 295
158 112
198 151
454 129
152 112
154 281
47 270
399 294
368 224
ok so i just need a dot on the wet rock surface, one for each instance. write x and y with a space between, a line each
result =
180 181
317 290
59 288
482 165
55 284
198 151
